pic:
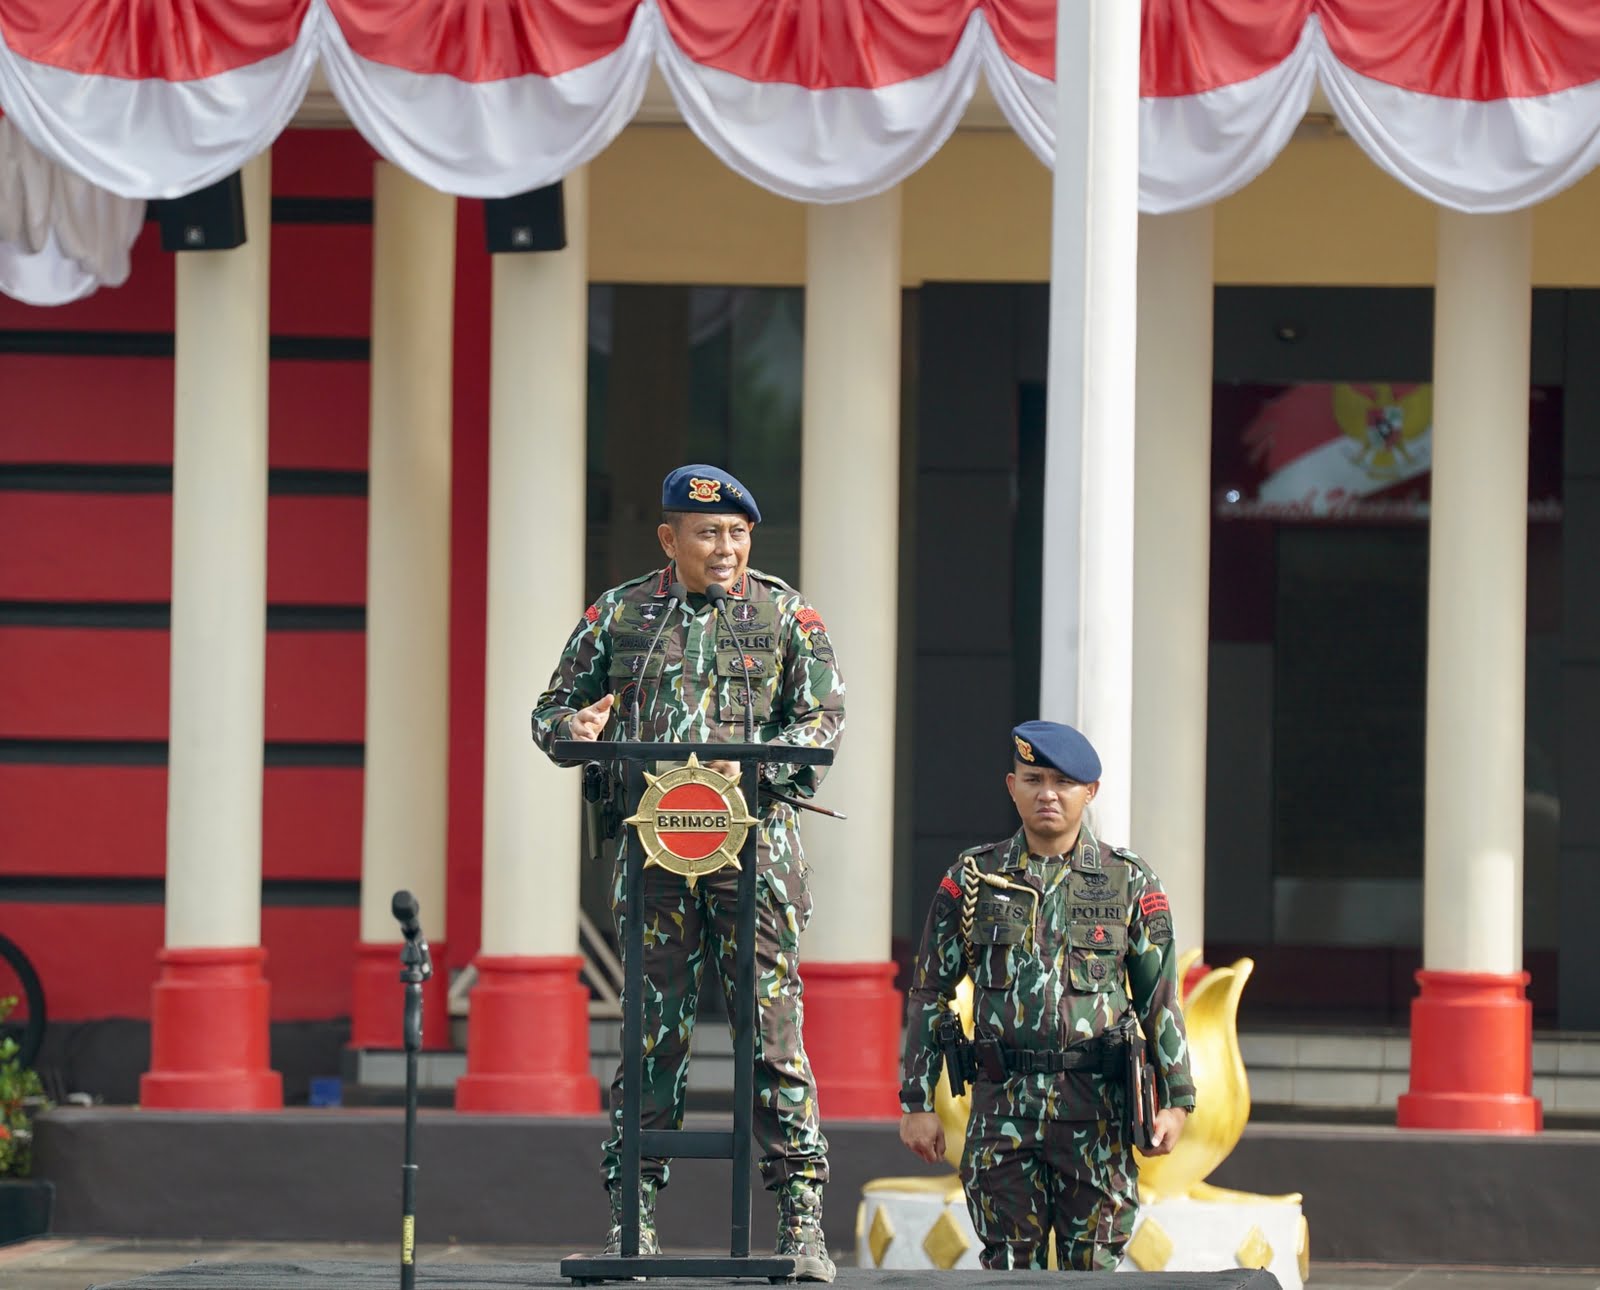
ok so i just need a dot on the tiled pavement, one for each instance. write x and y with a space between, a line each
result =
74 1264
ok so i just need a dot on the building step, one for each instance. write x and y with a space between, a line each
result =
1304 1070
1319 1068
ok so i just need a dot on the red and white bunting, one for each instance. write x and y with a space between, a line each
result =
1480 105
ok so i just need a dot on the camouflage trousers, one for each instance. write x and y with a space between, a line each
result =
1073 1177
683 929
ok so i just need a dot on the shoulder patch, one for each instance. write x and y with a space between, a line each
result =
592 613
1153 902
631 583
980 853
771 580
950 887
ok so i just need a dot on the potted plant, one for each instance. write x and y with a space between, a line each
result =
25 1202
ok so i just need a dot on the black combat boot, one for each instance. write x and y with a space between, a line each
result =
647 1218
800 1229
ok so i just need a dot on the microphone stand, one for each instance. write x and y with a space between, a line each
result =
416 966
677 593
718 596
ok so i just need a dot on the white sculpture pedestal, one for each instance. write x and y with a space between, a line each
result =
923 1223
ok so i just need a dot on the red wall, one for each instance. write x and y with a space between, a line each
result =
85 576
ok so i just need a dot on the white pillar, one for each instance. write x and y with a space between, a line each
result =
219 585
1086 670
537 471
527 1046
1471 1023
849 558
405 787
209 1008
1172 559
1477 594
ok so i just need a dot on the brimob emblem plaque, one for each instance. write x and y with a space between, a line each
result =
692 820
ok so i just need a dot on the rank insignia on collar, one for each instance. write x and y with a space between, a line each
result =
1024 748
705 490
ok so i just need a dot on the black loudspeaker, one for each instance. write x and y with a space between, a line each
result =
209 219
531 221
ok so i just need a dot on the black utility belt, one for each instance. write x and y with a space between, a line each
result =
1104 1057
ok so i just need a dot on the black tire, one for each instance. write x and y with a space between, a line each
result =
28 1031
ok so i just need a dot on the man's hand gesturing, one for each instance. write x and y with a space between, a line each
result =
587 723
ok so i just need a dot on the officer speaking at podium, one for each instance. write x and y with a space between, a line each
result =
656 658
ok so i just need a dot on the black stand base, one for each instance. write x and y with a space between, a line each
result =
587 1269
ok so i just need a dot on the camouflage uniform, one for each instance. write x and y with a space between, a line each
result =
1050 970
695 692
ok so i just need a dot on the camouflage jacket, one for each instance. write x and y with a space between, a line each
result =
1060 953
695 690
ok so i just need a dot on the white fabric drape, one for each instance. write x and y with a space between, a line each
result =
830 145
61 237
492 138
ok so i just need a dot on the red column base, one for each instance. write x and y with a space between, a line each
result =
853 1016
377 1003
208 1033
528 1039
1471 1055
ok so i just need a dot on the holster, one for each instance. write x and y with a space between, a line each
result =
990 1058
1139 1093
957 1051
600 816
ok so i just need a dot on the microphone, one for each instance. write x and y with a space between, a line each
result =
677 593
717 597
415 955
404 907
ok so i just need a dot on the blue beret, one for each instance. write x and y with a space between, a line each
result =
1049 743
708 489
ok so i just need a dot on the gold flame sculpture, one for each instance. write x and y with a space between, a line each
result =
1222 1088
